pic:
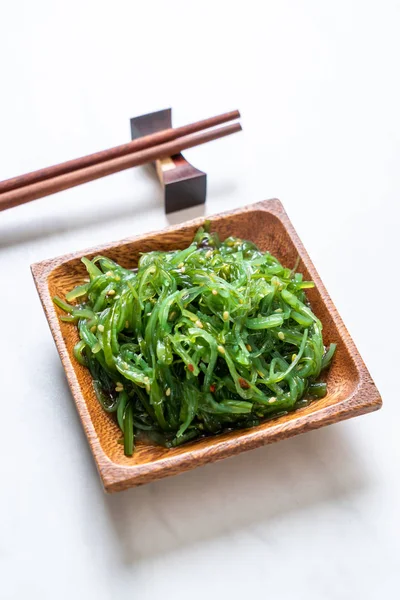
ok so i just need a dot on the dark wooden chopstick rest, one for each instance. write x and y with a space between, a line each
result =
184 185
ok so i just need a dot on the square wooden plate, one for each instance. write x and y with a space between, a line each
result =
351 391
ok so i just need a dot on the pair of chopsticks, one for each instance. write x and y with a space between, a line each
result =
163 144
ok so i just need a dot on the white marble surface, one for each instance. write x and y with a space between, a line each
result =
317 83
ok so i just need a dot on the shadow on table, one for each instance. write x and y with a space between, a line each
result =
219 190
50 225
53 224
252 489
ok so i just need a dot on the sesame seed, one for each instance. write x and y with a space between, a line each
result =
225 315
111 293
249 348
214 292
148 314
93 329
146 379
221 349
209 253
281 335
294 356
109 273
180 265
117 297
272 400
278 310
199 324
125 365
86 280
168 392
182 270
100 328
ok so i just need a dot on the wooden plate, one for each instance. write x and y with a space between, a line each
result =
351 391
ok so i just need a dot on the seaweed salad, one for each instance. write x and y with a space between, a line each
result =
197 341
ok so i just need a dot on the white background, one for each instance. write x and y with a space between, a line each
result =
318 86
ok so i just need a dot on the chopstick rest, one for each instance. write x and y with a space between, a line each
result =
184 185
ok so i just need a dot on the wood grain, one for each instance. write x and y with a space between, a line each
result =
46 187
153 138
184 185
351 391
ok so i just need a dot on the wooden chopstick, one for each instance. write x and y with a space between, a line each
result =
147 141
27 193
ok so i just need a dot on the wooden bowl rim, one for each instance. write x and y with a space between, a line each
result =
364 398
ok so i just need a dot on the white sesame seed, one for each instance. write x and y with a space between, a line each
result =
146 379
272 400
111 293
281 335
249 348
93 329
100 328
214 292
294 356
180 265
221 349
209 253
168 392
182 270
199 324
225 315
149 314
109 273
278 310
